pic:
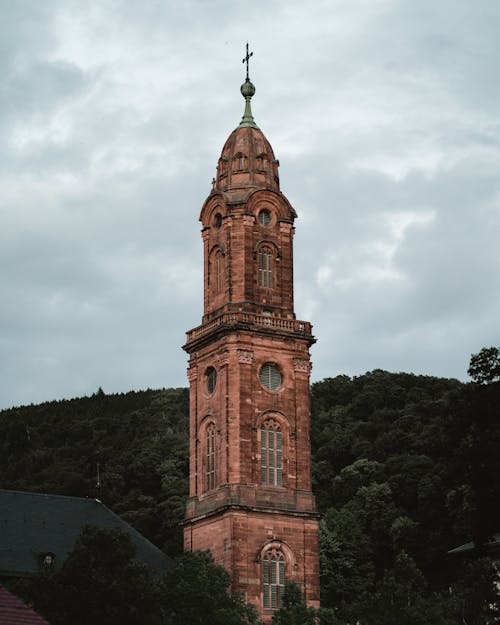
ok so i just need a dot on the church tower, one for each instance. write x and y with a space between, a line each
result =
250 500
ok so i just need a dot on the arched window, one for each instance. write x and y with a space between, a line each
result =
271 459
265 259
218 272
210 458
273 574
211 376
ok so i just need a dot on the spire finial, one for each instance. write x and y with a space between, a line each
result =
246 59
247 91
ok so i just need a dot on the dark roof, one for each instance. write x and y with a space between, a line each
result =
33 525
14 612
493 544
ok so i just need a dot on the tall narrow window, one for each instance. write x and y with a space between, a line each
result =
271 462
218 272
211 375
273 573
210 458
266 267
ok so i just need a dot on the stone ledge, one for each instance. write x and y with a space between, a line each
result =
247 321
252 497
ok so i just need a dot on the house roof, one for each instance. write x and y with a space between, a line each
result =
492 545
33 525
14 612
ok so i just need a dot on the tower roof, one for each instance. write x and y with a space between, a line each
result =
247 161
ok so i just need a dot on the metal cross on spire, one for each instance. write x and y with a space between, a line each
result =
246 59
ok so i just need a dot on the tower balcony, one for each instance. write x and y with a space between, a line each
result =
250 321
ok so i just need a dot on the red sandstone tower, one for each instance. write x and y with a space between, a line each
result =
250 500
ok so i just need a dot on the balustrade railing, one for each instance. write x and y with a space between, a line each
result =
251 319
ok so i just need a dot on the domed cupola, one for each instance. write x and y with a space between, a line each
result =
247 161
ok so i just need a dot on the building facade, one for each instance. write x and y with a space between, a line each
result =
250 497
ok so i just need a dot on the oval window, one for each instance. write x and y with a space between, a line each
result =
270 376
211 374
264 217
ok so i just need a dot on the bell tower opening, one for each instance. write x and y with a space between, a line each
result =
250 498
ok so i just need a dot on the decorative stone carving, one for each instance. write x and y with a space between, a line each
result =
245 356
285 227
302 366
223 359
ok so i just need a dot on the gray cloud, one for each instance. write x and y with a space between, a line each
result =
383 113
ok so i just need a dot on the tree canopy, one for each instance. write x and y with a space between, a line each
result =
196 593
485 366
404 470
101 583
294 610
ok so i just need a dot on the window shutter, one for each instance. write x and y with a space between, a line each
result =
270 376
266 582
279 459
263 452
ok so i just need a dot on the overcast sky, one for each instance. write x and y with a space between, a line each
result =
384 115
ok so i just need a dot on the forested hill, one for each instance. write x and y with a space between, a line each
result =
405 468
138 442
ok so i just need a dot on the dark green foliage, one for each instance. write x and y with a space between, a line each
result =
139 440
405 468
100 583
293 610
400 598
485 366
477 592
196 592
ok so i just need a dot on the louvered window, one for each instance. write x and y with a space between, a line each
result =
265 259
270 376
271 449
273 573
218 273
210 458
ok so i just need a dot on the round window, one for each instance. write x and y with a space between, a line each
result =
264 217
211 374
270 376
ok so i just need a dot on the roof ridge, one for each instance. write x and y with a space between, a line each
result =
51 495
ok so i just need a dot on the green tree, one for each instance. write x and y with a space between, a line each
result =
346 558
478 593
196 593
100 583
484 366
400 598
294 610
